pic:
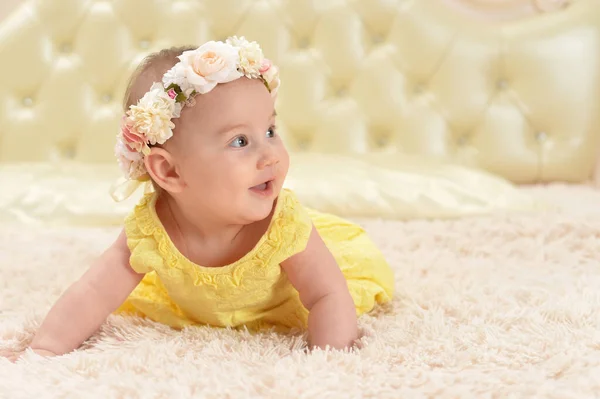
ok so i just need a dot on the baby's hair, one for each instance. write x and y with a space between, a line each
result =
151 70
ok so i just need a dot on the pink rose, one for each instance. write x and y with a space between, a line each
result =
172 93
271 75
130 162
134 140
266 64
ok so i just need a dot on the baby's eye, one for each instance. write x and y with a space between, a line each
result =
272 132
239 142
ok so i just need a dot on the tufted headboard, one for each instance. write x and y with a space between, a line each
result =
520 98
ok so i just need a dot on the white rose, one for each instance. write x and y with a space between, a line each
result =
176 75
251 55
152 115
236 41
210 64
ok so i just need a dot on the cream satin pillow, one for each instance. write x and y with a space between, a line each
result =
386 186
395 186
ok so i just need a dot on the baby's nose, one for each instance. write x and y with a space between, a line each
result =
267 161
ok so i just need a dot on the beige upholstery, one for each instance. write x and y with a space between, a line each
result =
392 87
359 76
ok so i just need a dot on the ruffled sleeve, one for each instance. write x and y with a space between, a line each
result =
144 257
289 230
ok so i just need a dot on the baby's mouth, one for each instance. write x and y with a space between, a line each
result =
263 188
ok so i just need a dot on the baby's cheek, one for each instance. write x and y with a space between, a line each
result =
284 162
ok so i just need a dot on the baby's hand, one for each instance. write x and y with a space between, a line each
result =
323 290
10 354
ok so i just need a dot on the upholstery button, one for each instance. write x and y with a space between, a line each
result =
341 92
377 38
462 140
502 84
69 152
107 98
66 149
144 44
419 88
303 143
66 48
303 42
382 141
541 136
27 101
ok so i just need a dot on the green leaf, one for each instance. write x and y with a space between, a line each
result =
174 87
266 84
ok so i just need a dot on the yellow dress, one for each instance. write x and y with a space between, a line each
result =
254 291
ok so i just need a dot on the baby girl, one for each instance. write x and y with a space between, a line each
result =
216 240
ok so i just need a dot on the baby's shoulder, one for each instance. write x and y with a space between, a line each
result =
289 210
288 203
291 224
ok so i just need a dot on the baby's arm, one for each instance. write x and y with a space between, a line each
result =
86 304
324 292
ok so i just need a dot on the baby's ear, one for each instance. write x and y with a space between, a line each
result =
161 168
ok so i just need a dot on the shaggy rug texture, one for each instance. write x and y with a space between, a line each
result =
503 306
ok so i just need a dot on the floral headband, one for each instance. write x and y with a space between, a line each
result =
198 71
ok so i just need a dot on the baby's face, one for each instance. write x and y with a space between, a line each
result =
229 153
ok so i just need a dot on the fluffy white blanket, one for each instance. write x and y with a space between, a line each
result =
495 306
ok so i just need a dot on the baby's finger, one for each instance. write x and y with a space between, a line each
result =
10 355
